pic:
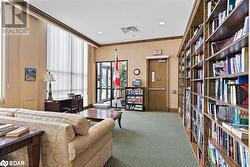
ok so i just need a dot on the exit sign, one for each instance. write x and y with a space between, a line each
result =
157 52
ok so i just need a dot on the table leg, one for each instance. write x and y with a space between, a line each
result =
119 121
34 152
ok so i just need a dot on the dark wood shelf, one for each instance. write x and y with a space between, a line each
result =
243 108
198 65
197 94
219 123
231 162
232 23
219 7
197 80
228 76
198 50
198 34
231 49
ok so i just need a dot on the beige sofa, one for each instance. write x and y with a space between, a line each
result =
68 140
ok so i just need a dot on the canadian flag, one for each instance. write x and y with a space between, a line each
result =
117 80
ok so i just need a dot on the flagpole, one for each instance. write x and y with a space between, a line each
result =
117 78
115 85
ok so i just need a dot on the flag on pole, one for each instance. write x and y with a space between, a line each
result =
117 80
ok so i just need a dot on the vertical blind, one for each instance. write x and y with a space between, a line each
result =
67 57
2 61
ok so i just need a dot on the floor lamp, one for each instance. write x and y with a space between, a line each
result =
49 78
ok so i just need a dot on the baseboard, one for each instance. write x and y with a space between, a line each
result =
172 109
87 107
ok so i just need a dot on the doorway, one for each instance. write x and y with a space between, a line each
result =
158 84
105 90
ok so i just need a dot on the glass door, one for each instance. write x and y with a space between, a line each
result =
105 89
103 81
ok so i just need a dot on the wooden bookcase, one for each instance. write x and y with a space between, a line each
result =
202 49
135 99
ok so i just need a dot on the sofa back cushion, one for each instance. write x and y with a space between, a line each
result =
8 111
80 124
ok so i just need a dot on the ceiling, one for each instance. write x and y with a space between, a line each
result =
108 17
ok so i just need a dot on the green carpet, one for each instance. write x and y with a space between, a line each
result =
150 139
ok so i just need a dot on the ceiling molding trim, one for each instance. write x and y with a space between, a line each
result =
143 41
51 19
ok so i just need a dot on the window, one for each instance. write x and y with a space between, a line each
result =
2 61
67 61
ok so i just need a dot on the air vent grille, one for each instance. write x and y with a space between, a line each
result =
130 29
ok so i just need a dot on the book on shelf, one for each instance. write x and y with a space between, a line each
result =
228 115
233 91
219 45
198 58
210 6
233 148
232 65
198 87
135 91
17 132
215 156
198 43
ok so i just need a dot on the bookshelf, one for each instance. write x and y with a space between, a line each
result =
135 99
213 82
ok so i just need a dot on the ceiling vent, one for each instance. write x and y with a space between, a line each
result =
130 30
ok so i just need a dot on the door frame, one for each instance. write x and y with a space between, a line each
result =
111 86
167 80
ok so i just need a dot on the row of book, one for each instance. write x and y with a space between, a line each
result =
198 74
231 4
232 65
198 87
233 91
197 29
198 58
188 74
134 91
135 99
215 157
232 147
134 107
227 114
188 62
198 43
219 45
199 103
188 104
197 132
188 52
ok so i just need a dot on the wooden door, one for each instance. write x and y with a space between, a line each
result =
157 85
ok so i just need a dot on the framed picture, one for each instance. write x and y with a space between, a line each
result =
30 74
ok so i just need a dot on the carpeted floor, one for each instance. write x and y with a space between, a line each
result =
151 139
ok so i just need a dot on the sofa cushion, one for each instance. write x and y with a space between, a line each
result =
80 124
8 111
95 135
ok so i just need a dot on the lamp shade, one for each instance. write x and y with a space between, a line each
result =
49 77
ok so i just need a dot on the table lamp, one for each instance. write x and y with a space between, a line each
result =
49 78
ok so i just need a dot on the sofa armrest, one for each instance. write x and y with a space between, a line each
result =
81 143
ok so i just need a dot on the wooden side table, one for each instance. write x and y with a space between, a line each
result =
31 139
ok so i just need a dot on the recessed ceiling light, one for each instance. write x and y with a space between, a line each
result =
99 32
162 23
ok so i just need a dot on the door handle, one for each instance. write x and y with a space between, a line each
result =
157 89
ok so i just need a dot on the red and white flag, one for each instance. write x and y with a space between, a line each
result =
116 70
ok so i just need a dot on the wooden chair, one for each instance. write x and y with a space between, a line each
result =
80 102
74 107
